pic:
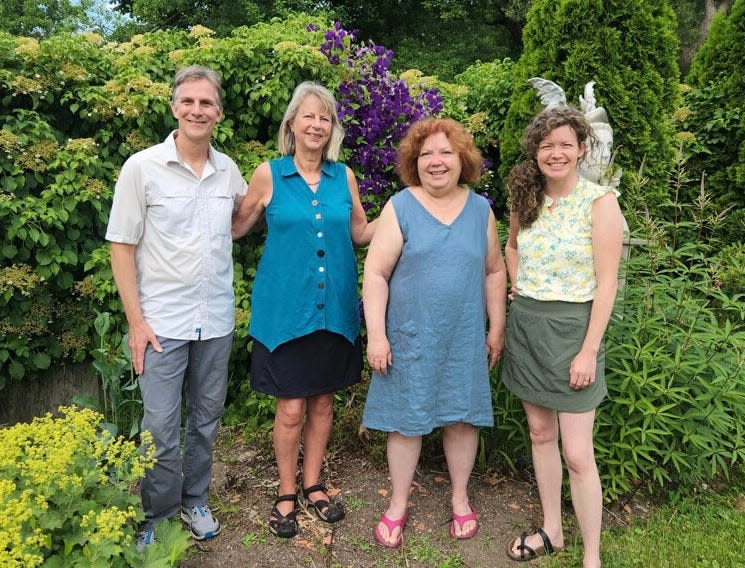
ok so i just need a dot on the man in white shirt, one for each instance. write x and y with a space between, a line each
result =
171 255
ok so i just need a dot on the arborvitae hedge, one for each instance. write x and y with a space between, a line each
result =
717 119
630 50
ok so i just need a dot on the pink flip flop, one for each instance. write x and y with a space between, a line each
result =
391 525
461 520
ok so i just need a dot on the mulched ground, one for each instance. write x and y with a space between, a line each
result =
244 486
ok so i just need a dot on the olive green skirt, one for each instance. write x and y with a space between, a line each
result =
542 339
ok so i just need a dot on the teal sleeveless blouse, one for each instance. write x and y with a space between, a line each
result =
306 279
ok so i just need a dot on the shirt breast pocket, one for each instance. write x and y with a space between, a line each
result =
220 205
171 213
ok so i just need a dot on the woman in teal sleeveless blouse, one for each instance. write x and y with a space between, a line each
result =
305 307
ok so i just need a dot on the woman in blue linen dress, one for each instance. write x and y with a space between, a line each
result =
433 273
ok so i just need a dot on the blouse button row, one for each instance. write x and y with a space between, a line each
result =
320 252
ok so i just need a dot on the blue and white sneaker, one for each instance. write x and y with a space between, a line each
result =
145 537
202 523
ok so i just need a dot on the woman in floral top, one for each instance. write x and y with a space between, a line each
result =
562 253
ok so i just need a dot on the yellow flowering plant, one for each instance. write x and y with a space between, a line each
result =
65 491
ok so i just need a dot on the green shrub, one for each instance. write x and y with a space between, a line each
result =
630 50
715 115
64 490
675 366
729 267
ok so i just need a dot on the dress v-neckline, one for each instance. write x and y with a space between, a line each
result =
433 216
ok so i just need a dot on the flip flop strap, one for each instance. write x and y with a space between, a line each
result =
391 524
460 519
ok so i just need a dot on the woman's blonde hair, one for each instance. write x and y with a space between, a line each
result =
286 138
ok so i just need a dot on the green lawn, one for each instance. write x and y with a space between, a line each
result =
701 531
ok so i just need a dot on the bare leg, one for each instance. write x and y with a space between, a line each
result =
544 438
584 481
460 443
315 440
403 456
288 425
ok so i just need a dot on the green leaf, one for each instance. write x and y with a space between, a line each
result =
9 251
86 401
9 184
43 257
102 323
16 370
41 360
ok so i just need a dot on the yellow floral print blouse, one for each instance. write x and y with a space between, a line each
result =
555 253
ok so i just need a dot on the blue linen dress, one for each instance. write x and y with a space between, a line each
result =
436 324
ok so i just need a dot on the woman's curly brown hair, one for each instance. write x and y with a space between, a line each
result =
525 181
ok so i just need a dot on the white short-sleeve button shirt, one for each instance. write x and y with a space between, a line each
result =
181 227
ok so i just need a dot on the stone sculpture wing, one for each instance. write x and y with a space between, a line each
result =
550 93
587 102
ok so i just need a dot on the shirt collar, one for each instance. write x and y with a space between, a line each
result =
215 158
288 167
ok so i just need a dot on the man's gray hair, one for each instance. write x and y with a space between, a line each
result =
194 73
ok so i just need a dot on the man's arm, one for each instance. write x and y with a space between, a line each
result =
125 276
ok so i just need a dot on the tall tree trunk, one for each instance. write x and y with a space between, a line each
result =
711 8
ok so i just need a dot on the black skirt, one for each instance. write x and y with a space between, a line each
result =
321 362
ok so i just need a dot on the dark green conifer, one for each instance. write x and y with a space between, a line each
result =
630 50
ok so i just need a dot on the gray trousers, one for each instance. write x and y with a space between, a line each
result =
199 369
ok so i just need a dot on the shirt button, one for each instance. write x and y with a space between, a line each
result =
321 269
319 234
314 203
321 253
321 285
319 306
318 216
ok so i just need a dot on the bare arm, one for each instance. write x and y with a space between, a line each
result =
496 291
511 255
253 205
382 257
362 230
607 241
125 275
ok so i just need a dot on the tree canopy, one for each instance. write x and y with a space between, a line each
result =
42 19
717 115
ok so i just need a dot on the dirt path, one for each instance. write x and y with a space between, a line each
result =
245 484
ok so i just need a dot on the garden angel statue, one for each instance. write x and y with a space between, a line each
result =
598 164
